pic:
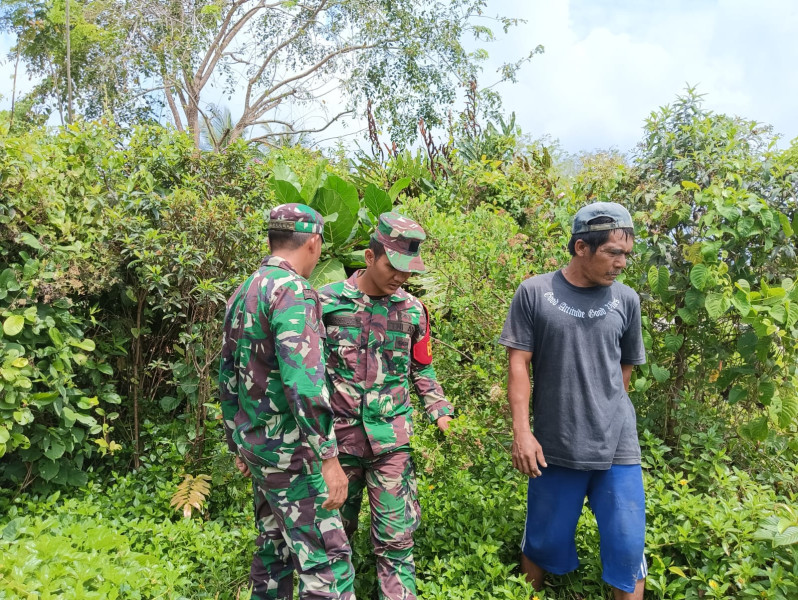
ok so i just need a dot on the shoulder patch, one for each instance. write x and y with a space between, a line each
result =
309 294
422 350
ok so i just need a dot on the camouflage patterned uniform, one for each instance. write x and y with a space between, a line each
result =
278 419
370 364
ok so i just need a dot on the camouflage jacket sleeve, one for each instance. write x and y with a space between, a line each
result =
228 380
425 381
295 320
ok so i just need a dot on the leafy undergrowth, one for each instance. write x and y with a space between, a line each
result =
122 540
717 528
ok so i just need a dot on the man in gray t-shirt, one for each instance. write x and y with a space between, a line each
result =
579 331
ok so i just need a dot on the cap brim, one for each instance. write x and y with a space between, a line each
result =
404 262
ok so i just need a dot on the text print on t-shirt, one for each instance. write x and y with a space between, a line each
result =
575 312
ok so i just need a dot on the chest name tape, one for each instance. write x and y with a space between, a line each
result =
422 350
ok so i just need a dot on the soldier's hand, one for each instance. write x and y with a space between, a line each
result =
337 483
527 454
443 422
242 467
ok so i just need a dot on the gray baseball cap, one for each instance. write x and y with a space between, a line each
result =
619 215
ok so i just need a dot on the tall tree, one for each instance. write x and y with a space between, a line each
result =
406 56
93 65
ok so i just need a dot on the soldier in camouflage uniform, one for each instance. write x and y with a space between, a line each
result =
278 420
378 343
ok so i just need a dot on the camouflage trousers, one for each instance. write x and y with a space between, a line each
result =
395 515
296 533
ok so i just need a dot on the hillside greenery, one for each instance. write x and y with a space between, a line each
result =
119 246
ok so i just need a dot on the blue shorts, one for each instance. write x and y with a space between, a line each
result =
554 504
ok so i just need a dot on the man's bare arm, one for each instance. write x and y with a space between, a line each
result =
626 370
527 452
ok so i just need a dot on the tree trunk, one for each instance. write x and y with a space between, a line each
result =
137 375
70 116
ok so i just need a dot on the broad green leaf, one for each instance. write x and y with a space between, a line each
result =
792 314
169 403
766 390
8 281
786 538
47 469
740 302
736 394
397 187
13 325
693 299
329 271
786 227
23 416
673 342
756 430
30 240
788 411
4 435
376 200
664 280
105 369
70 416
77 478
716 304
699 275
688 316
778 313
746 343
85 344
313 181
55 451
340 214
346 190
285 192
661 374
11 530
689 185
743 286
677 570
283 172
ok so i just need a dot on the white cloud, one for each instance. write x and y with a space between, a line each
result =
608 65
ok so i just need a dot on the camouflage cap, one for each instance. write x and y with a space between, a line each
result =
402 239
296 217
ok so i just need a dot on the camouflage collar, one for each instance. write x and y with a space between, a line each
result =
278 261
352 291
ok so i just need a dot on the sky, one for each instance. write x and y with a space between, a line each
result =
609 63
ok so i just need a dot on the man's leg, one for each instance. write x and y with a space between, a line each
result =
313 536
617 499
355 474
395 515
640 588
554 505
533 573
272 569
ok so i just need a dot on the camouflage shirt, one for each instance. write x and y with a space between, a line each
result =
369 365
275 401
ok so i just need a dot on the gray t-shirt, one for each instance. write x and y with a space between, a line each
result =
582 415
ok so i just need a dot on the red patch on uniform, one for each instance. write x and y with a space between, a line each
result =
422 349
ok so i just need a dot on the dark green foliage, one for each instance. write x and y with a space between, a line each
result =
118 248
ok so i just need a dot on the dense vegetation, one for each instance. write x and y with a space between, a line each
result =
120 245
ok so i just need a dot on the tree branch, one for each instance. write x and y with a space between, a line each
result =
293 131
